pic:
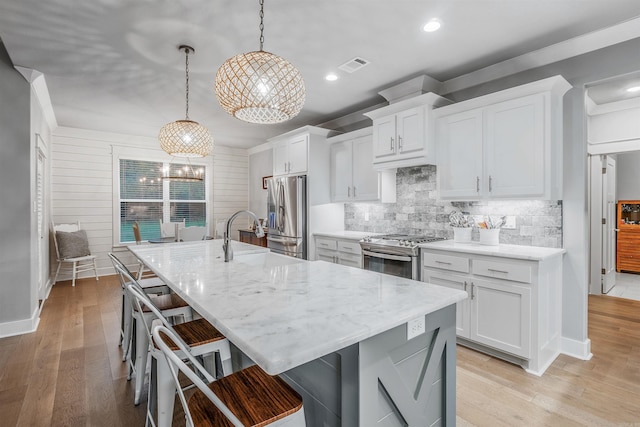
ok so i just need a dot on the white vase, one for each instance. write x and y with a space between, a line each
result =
462 235
490 236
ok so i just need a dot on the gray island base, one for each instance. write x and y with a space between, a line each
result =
385 380
339 335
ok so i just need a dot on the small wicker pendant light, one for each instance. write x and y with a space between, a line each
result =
260 87
186 138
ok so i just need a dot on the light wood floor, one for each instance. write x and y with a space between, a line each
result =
69 372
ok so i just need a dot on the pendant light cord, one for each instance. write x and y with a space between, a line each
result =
261 24
186 50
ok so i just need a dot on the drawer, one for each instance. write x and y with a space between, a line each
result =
517 272
352 260
325 255
349 247
446 262
329 244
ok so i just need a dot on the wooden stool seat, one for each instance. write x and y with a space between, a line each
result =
255 397
165 303
195 333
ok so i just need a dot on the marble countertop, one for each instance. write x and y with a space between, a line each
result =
346 234
532 253
283 312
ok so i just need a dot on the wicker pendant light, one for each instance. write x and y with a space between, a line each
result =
260 87
186 138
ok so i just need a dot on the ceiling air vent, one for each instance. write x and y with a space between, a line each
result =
354 65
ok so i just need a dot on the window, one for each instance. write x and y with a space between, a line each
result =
147 198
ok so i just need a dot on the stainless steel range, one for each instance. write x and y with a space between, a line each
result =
396 254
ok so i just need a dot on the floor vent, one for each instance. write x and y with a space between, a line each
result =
354 65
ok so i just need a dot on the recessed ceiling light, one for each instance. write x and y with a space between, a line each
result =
432 25
634 89
331 77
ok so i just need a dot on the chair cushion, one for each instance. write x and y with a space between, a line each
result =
72 244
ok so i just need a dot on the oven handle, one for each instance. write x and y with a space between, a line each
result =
386 256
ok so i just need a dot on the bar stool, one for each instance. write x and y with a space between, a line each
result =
151 286
202 339
169 305
249 397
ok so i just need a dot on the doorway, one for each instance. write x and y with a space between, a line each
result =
613 135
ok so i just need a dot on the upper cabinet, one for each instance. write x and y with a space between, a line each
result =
505 145
403 132
290 155
304 151
353 178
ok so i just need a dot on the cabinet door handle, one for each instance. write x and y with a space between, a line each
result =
399 143
348 191
465 286
354 191
472 290
490 184
391 142
497 271
477 184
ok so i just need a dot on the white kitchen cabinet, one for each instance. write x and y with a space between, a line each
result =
353 178
403 132
459 140
453 281
339 251
505 145
513 308
290 156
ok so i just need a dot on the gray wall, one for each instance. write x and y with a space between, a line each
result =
15 193
418 211
628 176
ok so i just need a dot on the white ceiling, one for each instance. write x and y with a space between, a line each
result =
113 65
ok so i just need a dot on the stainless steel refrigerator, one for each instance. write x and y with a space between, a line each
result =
287 215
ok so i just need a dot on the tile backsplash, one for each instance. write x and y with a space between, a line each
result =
418 211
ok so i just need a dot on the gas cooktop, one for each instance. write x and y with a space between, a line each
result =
401 239
406 244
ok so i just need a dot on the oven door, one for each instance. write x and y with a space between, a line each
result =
397 265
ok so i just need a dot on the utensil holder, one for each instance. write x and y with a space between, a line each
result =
490 236
462 235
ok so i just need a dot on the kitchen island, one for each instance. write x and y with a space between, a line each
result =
338 335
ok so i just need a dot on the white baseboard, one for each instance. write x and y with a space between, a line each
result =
577 349
19 327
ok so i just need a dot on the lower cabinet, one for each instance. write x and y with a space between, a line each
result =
339 251
249 236
513 307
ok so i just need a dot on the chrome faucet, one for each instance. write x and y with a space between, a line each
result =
226 245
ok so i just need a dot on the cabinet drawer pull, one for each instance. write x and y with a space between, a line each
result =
347 247
324 244
497 271
443 262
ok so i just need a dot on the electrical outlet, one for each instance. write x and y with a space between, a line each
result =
415 327
510 222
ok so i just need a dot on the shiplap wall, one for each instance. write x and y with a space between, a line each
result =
82 186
